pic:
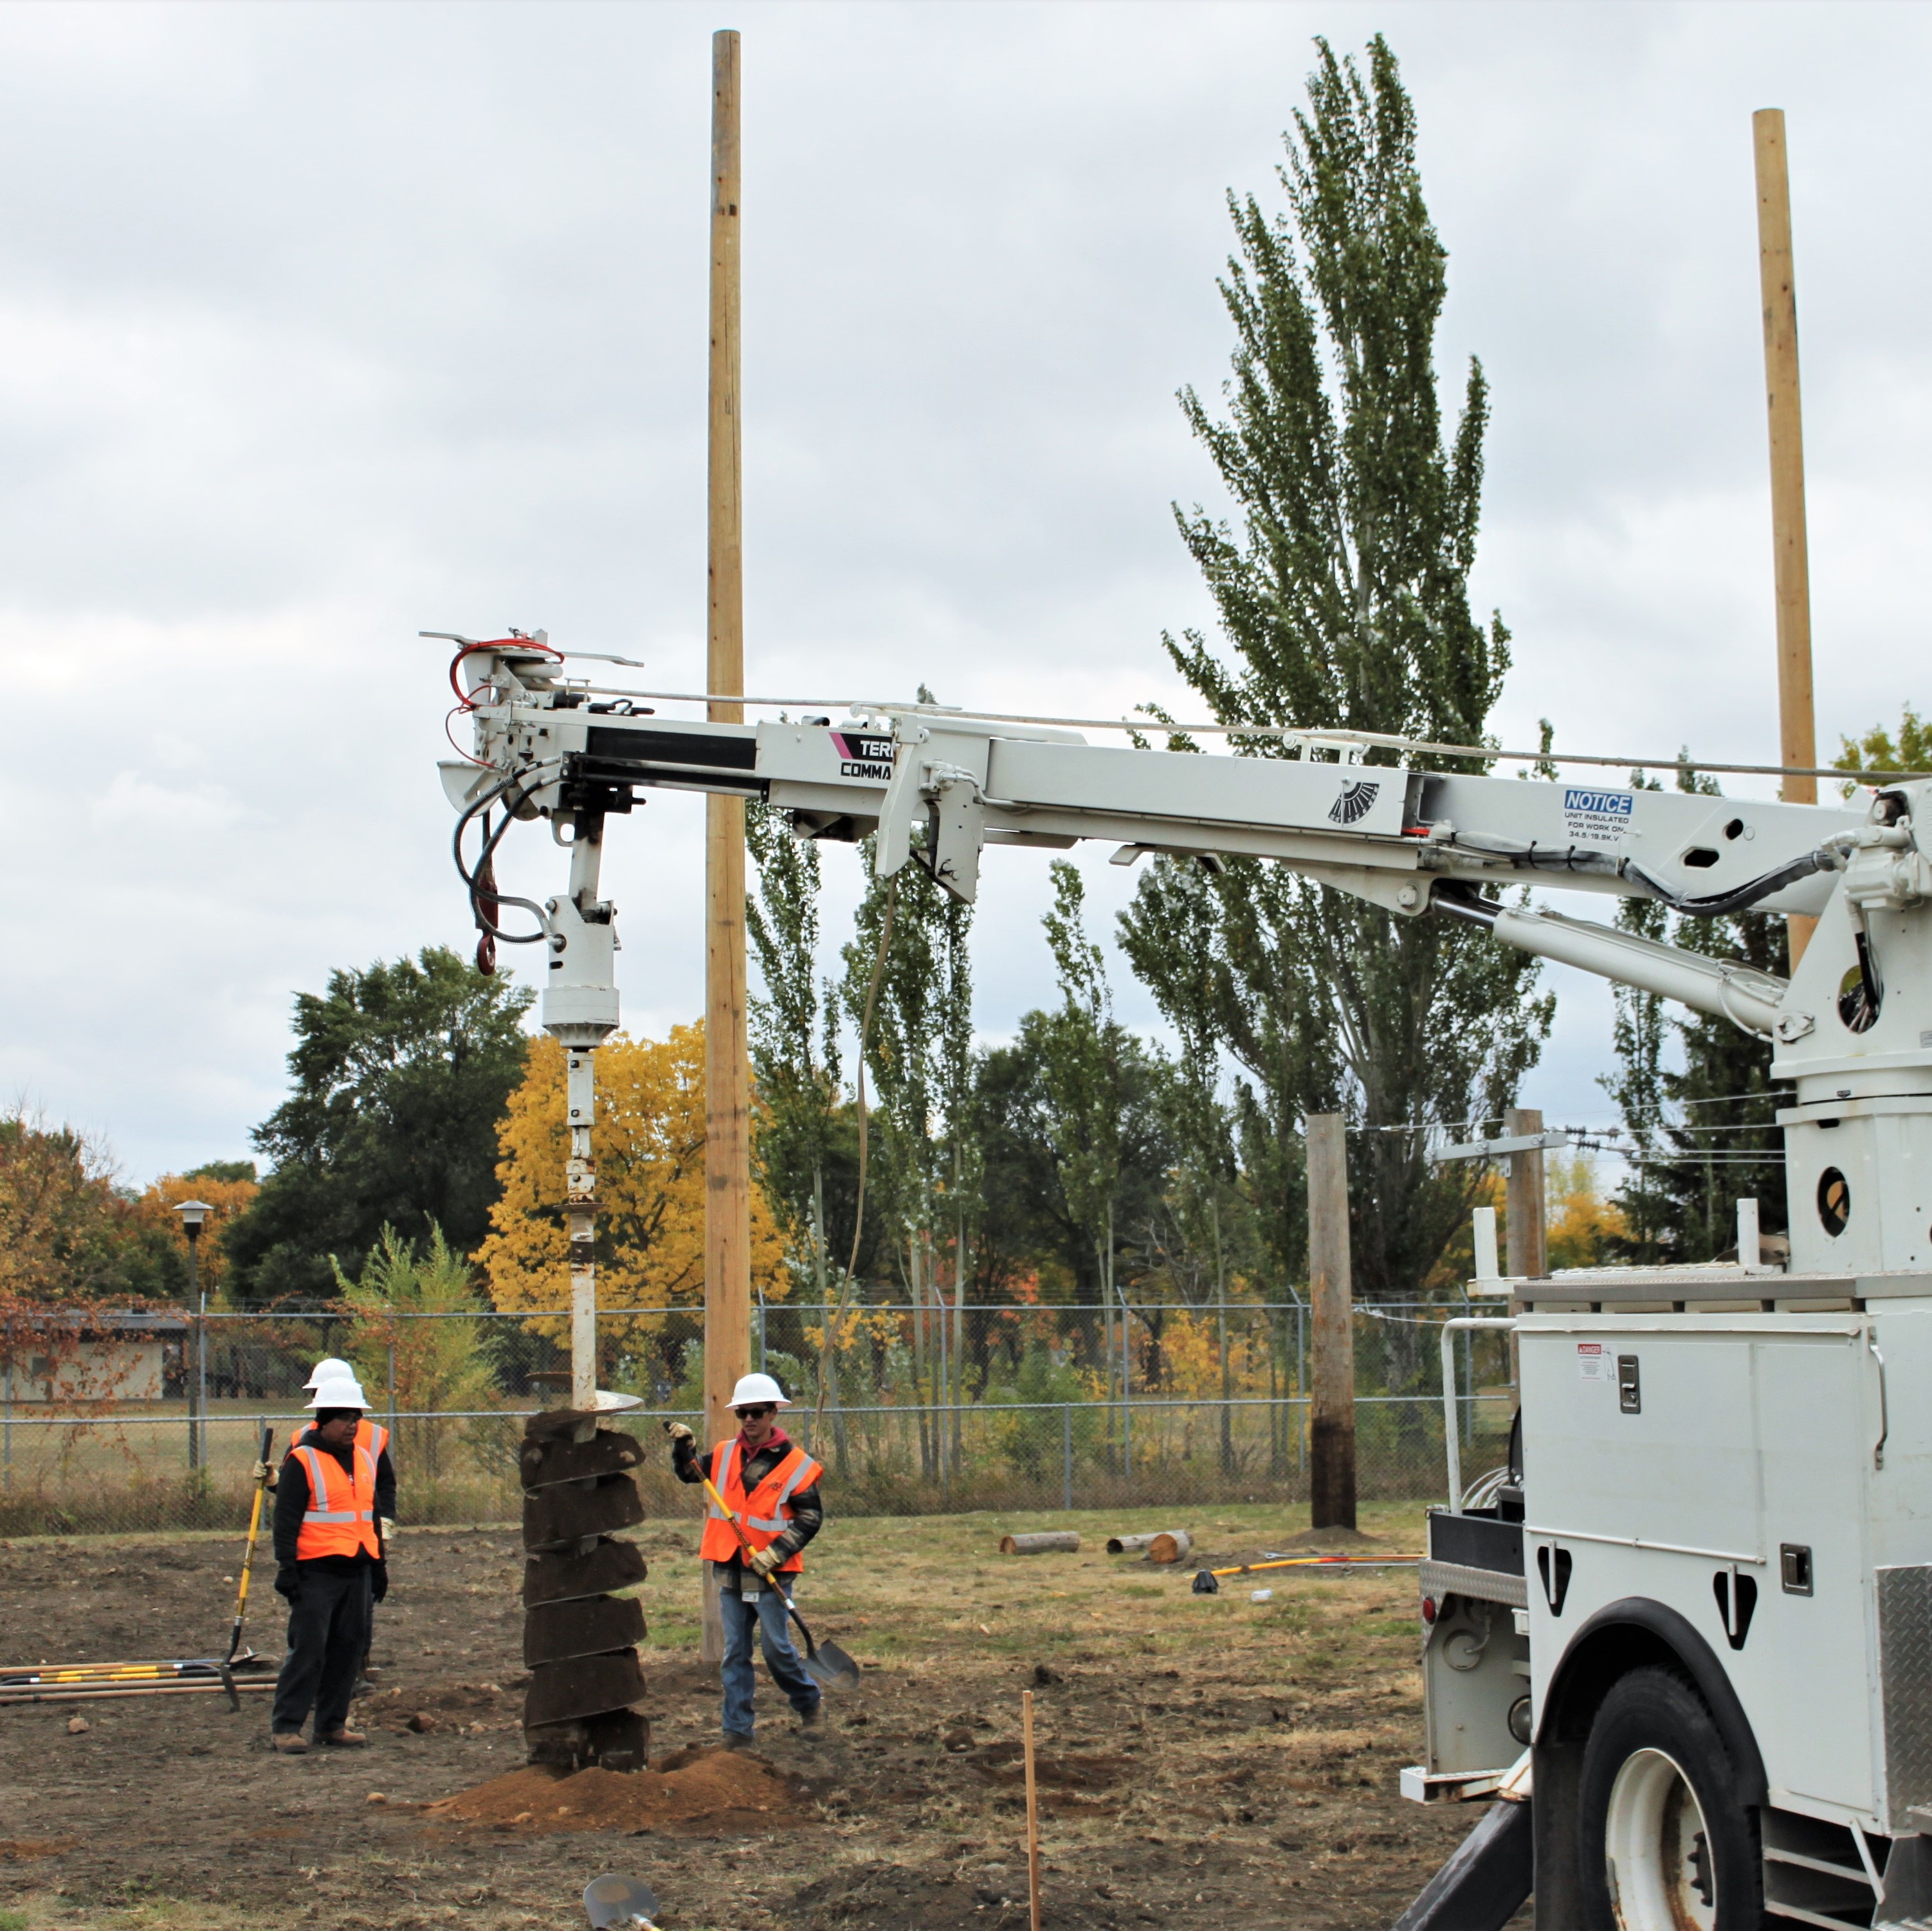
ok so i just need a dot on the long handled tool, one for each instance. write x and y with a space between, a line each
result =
1207 1581
237 1656
173 1676
827 1663
236 1652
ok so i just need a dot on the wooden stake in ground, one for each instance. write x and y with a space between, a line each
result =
1331 1445
727 1146
1033 1809
1797 741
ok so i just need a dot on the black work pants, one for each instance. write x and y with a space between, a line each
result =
328 1636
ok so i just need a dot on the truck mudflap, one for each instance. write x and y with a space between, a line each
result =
1486 1880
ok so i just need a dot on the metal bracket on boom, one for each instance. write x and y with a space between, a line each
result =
954 814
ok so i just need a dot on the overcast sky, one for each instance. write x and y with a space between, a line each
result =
323 324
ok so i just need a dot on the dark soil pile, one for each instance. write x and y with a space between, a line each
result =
702 1790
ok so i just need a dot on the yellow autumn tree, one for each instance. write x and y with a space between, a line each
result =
649 1145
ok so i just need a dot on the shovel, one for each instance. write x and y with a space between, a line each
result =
827 1665
237 1656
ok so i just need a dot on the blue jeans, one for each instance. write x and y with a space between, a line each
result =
768 1618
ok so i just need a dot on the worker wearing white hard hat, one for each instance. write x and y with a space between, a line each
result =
336 1488
769 1487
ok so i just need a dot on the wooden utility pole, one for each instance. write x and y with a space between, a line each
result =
1523 1200
1798 739
727 1110
1331 1445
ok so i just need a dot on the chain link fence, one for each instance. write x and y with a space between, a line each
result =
156 1421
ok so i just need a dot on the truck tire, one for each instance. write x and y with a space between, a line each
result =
1665 1844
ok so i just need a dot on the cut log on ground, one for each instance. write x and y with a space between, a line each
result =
1049 1541
1170 1545
1135 1545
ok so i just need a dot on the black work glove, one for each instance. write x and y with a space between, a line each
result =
288 1582
378 1581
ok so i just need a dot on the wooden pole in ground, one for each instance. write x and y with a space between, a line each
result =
727 1146
1032 1809
1330 1289
1797 738
1523 1200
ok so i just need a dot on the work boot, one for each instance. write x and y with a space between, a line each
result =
734 1740
288 1743
345 1739
808 1719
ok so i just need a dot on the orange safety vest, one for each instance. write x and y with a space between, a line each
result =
341 1517
765 1514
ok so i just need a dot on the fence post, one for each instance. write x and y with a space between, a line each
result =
1066 1448
1332 1485
1126 1398
6 1424
392 1384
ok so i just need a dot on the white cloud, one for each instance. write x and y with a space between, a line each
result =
322 325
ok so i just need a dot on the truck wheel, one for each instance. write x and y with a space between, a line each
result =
1666 1846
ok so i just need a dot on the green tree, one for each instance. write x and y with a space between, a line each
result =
415 1365
1343 601
1878 751
794 1029
917 1049
401 1073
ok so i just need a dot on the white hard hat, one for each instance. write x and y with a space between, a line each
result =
330 1370
342 1391
752 1388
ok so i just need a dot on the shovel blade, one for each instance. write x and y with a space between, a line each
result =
832 1669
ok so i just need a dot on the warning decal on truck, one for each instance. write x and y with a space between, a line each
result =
1597 817
1593 1361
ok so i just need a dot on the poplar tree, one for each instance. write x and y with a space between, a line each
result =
1341 586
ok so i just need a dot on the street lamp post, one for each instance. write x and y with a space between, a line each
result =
193 1215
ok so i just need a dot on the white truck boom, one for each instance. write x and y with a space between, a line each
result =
1684 1638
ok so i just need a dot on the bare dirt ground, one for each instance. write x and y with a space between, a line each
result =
1204 1759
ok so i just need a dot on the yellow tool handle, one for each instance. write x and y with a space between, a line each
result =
248 1552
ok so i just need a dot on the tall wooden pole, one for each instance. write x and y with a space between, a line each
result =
1523 1200
1331 1443
1798 740
727 1146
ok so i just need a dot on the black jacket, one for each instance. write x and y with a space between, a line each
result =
292 1504
808 1510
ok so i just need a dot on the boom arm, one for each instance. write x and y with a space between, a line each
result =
1411 841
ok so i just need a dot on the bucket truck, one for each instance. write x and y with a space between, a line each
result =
1681 1648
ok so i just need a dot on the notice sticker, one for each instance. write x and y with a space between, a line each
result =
1601 818
1593 1361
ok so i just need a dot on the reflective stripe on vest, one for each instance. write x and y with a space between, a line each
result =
779 1524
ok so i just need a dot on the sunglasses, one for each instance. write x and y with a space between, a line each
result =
755 1413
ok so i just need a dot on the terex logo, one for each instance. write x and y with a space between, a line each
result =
863 756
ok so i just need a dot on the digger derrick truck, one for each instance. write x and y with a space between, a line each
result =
1682 1646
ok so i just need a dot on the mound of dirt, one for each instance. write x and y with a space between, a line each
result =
704 1789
